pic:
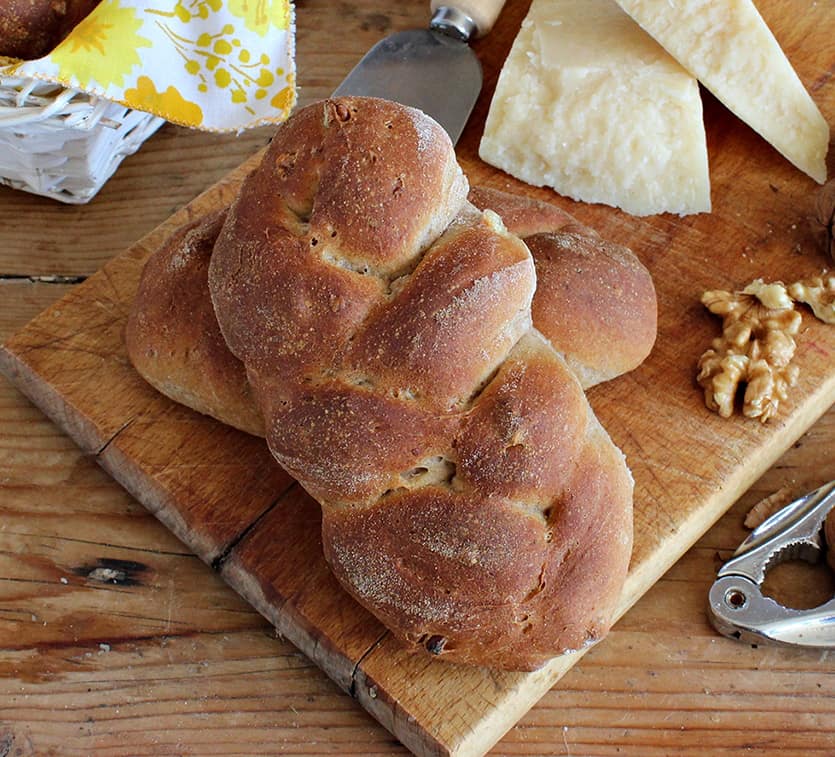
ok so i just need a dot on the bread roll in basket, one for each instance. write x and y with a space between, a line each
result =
415 368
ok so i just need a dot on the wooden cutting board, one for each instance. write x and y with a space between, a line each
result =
219 491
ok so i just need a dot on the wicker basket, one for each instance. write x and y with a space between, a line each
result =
62 143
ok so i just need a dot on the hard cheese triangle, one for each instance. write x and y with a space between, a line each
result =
728 47
589 104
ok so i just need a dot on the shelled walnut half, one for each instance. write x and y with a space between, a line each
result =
819 294
757 344
755 350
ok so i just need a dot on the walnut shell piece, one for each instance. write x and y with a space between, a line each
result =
825 216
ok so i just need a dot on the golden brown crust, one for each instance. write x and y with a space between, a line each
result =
500 569
423 339
599 334
445 571
172 336
595 302
522 215
31 28
403 386
349 445
342 239
470 498
519 437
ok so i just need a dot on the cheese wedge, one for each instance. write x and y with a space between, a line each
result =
589 104
728 47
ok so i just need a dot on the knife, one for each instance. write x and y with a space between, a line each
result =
433 69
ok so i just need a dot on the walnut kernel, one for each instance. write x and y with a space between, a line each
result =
766 507
755 350
819 294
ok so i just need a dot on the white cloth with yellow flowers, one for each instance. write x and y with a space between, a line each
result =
215 65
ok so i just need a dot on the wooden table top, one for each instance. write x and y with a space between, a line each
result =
193 669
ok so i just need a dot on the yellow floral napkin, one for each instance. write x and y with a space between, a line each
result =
216 65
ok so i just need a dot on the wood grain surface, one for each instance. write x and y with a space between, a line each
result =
177 664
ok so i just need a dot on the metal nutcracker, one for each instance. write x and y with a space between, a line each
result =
737 606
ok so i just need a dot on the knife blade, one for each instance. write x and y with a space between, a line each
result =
434 69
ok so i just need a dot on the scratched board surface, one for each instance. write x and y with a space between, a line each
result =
219 491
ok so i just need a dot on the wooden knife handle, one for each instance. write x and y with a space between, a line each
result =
483 12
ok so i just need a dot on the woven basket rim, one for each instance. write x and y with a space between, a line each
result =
61 142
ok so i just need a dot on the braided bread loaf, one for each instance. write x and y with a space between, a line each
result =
470 498
172 335
594 302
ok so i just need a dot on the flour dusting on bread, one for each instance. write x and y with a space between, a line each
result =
389 335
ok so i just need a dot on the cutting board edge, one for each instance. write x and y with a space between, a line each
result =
424 740
152 496
292 626
15 364
42 395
